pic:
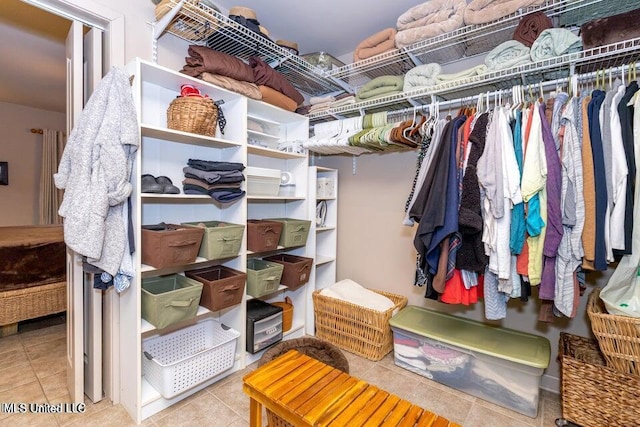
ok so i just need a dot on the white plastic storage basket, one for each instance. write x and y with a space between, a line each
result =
180 360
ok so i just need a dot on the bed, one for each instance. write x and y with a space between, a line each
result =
32 274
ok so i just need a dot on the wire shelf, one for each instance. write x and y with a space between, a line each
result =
202 25
600 58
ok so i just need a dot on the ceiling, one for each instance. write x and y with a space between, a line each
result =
34 39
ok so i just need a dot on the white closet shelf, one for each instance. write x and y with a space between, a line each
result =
603 57
294 328
320 260
200 24
173 135
270 198
270 152
200 262
327 228
147 327
263 135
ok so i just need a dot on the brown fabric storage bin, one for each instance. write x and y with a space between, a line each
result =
296 269
263 235
175 245
222 286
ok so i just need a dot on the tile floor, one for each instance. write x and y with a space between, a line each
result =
32 369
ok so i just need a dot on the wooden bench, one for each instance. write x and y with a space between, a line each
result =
306 392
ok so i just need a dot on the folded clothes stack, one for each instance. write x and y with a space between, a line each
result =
220 180
320 103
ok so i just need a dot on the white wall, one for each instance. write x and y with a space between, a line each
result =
377 251
23 150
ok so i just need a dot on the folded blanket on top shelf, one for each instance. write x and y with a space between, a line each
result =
265 75
429 19
507 54
348 100
380 86
321 99
530 27
612 29
484 11
554 42
203 59
380 42
250 90
431 75
273 97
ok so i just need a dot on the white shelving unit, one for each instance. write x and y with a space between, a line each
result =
165 152
325 237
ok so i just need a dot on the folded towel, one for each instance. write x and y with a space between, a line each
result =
530 27
350 291
612 29
507 54
383 85
380 42
321 99
429 19
483 11
250 90
554 42
265 75
203 59
273 97
349 100
320 107
431 75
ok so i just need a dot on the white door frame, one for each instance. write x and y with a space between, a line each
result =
96 15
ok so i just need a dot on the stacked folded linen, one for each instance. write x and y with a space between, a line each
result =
321 99
507 54
220 180
483 11
346 100
274 97
265 75
250 90
203 59
530 27
554 42
381 42
380 86
429 19
431 75
612 29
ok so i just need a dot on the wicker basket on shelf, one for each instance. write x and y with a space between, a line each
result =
618 336
193 114
594 395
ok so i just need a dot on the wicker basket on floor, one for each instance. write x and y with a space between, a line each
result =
594 395
618 336
193 114
354 328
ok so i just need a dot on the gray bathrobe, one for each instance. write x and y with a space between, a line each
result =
95 170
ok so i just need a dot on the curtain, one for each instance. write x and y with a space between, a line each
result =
53 143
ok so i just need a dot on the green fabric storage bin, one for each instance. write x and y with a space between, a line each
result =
263 277
221 239
294 231
170 299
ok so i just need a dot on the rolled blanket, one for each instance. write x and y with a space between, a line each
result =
483 11
553 42
530 27
507 54
380 42
429 19
203 59
250 90
431 75
383 85
273 97
612 29
265 75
